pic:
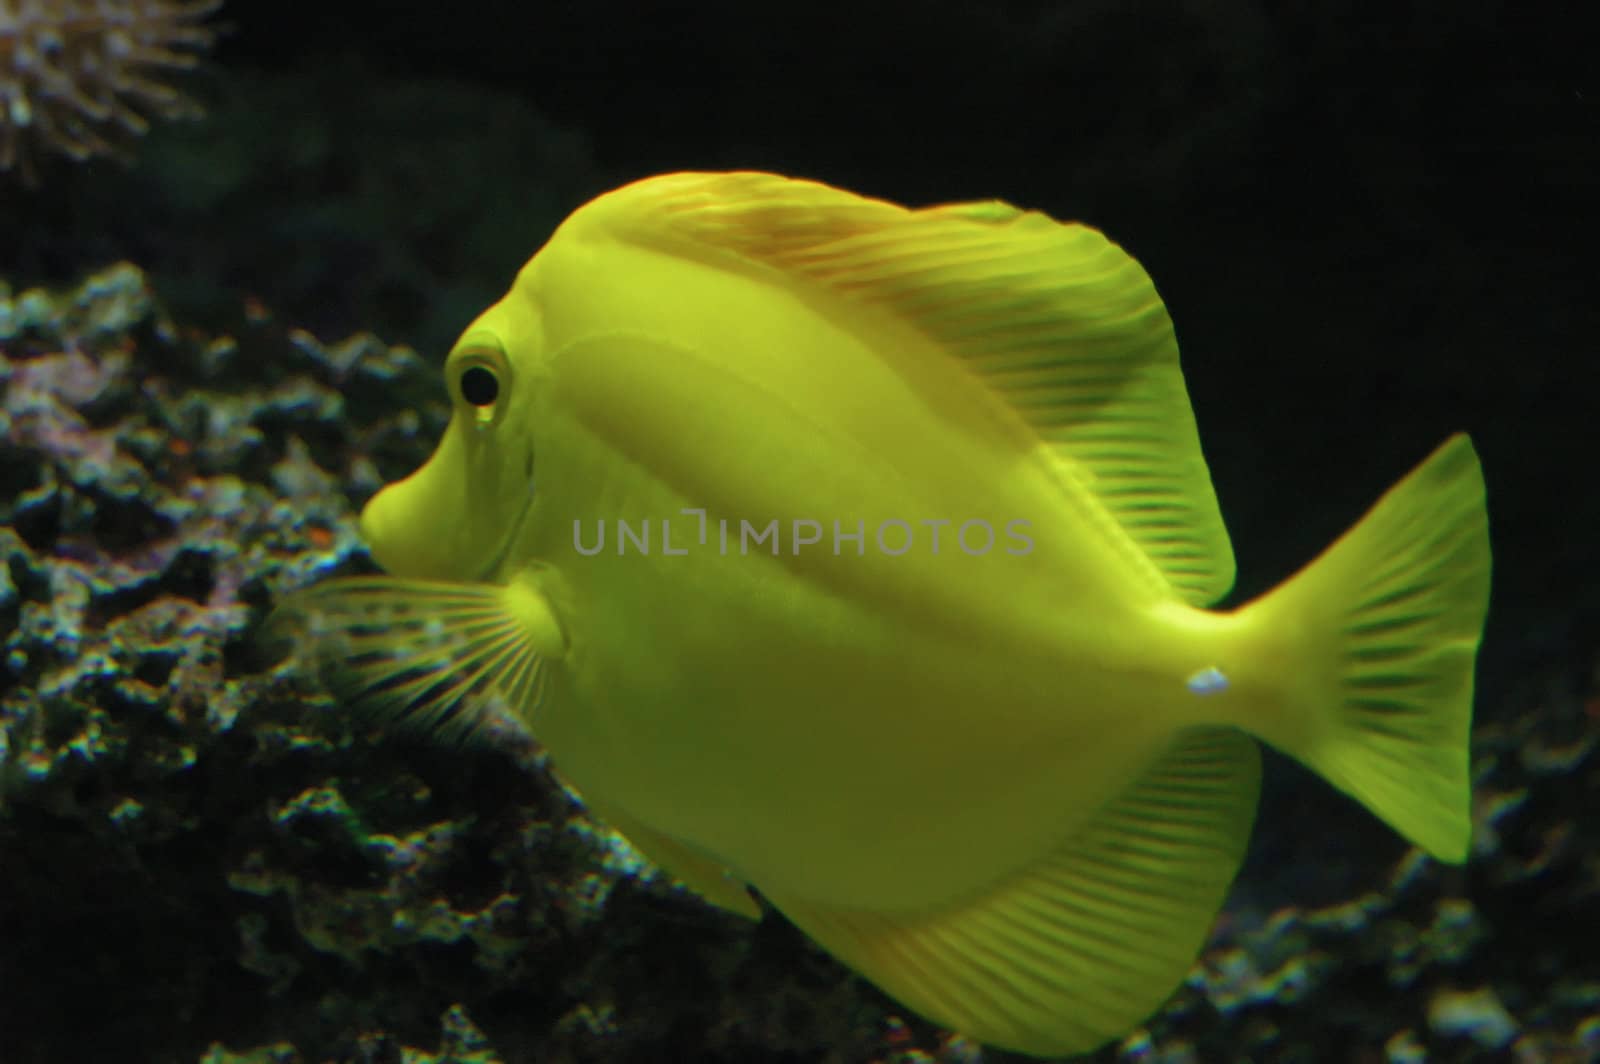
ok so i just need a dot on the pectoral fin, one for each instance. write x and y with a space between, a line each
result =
426 654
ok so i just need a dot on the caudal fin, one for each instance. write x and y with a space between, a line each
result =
1379 637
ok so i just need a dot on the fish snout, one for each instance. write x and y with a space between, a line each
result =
377 528
404 538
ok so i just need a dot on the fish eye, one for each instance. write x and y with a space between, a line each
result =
479 386
480 377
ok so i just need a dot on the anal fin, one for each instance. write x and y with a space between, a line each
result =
1081 947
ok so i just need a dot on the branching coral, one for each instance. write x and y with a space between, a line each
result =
77 76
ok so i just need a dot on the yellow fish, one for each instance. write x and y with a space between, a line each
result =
861 555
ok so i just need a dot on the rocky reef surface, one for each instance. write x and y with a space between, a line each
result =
203 858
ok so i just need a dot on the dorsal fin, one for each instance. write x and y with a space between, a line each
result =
1061 323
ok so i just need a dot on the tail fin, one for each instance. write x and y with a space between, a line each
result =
1384 628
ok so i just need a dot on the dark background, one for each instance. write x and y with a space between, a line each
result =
1374 224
